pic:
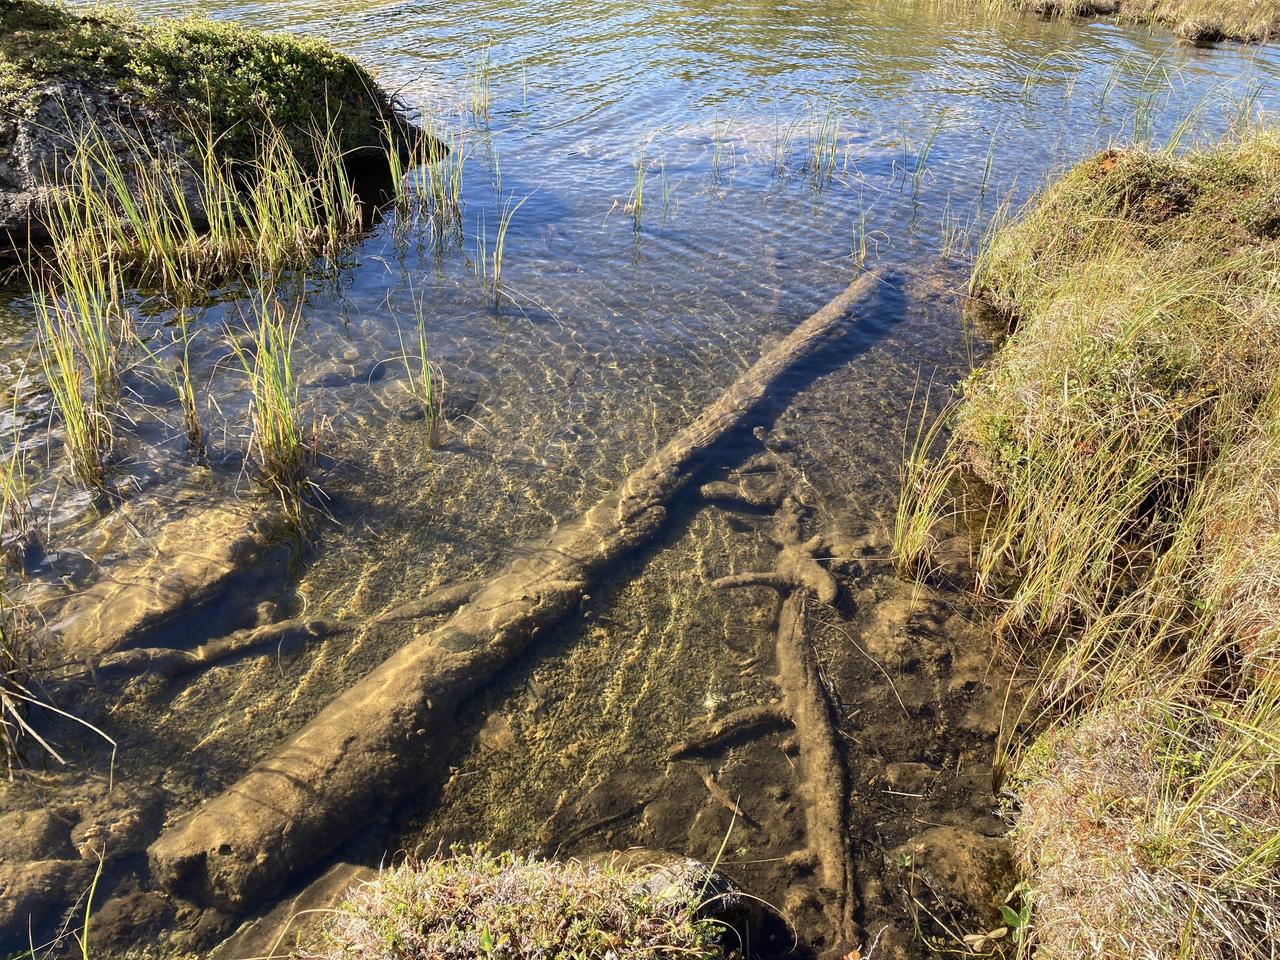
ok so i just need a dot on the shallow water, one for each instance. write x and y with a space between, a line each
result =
616 332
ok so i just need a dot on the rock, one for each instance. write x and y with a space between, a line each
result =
967 873
909 777
128 921
71 70
30 893
36 835
204 554
39 139
121 822
288 922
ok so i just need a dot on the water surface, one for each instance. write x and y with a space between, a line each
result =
615 331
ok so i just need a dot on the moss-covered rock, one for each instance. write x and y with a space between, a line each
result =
165 81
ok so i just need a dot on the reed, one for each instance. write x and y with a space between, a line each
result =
479 77
426 380
184 223
444 171
783 141
921 164
184 389
824 142
16 527
500 244
635 202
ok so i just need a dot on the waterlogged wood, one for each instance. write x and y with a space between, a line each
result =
390 734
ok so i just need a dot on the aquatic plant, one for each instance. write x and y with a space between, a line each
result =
1127 436
184 389
987 165
277 439
478 82
635 202
500 243
66 339
473 904
824 141
425 379
783 138
444 182
182 224
921 163
16 527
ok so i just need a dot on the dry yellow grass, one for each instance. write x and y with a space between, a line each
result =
1196 20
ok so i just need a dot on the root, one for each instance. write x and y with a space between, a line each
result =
734 728
434 604
721 796
770 578
390 735
821 763
166 663
801 579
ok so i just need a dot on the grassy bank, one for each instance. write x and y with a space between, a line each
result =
1197 20
1126 437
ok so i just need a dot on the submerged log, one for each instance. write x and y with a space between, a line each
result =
391 733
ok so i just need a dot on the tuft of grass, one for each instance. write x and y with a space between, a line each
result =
444 167
920 165
277 439
81 392
183 223
17 531
479 77
1127 433
635 202
180 379
473 904
824 142
426 380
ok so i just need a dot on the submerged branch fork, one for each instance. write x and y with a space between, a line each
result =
391 733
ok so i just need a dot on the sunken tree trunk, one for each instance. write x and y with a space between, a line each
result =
392 732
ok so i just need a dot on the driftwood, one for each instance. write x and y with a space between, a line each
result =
390 734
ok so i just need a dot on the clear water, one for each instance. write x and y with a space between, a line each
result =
620 331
